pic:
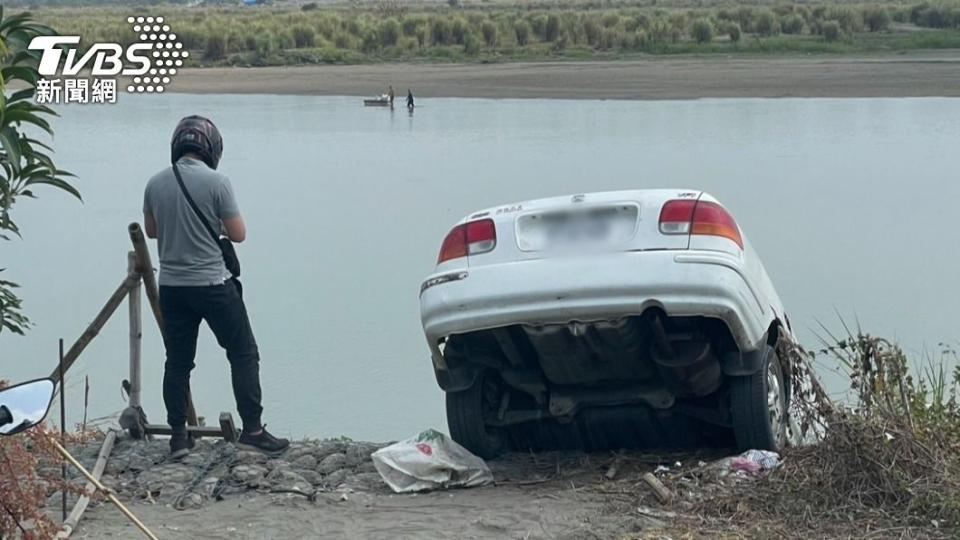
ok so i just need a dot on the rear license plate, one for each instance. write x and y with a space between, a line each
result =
600 226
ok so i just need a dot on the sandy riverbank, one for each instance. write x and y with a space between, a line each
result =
935 73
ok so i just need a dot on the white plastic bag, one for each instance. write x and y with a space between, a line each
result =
431 460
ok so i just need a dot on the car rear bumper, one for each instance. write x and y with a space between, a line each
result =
590 288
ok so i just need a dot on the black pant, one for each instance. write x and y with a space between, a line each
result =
223 308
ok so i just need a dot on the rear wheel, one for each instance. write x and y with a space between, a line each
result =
468 412
758 406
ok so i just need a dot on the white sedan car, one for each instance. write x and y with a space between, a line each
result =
606 320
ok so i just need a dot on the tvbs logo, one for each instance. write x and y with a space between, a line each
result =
150 63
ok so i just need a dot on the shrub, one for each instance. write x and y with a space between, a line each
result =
471 44
458 30
765 23
935 16
410 26
407 43
792 24
389 32
439 31
591 31
552 29
216 48
877 18
702 31
421 36
610 38
659 32
454 3
831 31
309 6
343 40
283 39
610 20
560 44
848 18
734 31
745 17
522 31
303 36
489 31
369 41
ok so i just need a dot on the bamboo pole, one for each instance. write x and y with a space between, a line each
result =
144 267
103 489
94 327
136 333
80 507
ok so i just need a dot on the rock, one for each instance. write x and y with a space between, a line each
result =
299 449
332 463
207 486
357 454
306 461
250 475
194 459
325 448
166 478
193 500
249 456
313 477
335 478
286 479
116 465
272 464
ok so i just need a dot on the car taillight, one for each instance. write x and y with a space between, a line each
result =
675 216
469 239
699 217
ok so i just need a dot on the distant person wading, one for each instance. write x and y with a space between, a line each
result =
186 208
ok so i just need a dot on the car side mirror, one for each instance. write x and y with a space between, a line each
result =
25 405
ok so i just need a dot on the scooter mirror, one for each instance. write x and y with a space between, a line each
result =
25 405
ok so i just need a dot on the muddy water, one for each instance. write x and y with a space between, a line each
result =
850 202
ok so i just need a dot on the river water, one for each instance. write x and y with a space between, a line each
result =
851 203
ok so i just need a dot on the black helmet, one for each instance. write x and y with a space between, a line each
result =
197 135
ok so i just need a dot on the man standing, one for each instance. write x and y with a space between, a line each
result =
183 206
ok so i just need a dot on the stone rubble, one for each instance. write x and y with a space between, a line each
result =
215 469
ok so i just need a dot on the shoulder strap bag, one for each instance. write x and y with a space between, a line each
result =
230 259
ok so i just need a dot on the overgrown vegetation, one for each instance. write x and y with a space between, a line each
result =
394 31
25 163
888 464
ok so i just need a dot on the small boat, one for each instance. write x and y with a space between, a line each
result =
382 101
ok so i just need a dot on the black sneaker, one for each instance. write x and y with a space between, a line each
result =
180 445
263 441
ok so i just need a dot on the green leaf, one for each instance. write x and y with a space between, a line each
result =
11 144
55 182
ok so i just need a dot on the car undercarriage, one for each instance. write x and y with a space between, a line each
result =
649 381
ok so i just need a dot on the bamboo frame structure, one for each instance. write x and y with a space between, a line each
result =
139 279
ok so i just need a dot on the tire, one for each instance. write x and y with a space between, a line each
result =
758 406
467 412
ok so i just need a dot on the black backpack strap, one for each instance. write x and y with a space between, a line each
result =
196 210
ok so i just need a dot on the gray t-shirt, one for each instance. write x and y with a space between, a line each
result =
188 254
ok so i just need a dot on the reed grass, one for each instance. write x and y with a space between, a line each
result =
393 32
